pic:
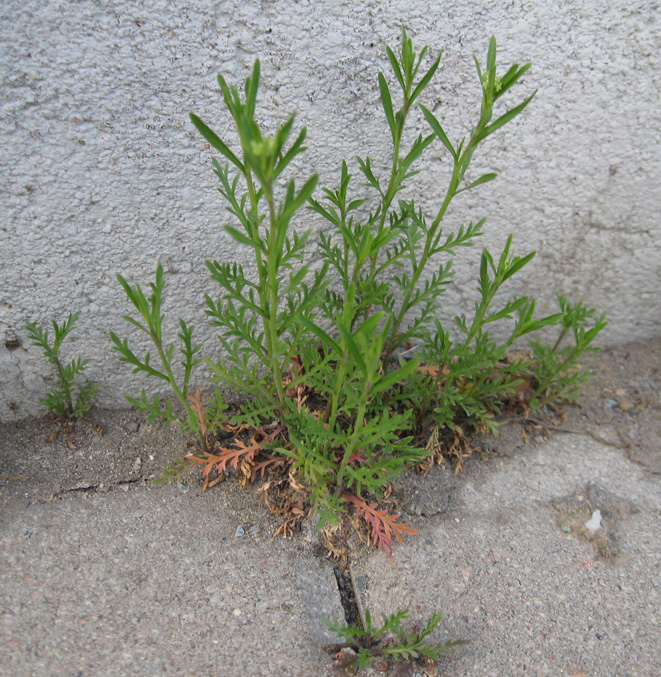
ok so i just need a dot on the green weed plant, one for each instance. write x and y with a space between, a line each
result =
70 399
391 641
325 355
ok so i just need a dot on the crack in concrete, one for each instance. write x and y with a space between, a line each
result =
99 487
348 595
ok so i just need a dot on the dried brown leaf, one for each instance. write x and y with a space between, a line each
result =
196 402
383 526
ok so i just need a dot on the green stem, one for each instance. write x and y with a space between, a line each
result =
65 384
479 317
254 209
270 325
431 242
267 288
355 436
563 333
330 415
181 396
390 194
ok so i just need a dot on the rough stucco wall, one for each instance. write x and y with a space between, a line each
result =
103 173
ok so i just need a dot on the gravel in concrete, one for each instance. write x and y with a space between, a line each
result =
154 582
534 598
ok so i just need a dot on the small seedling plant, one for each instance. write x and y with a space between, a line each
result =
71 399
391 641
195 417
337 401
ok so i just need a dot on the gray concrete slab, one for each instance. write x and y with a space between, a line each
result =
104 572
153 582
510 574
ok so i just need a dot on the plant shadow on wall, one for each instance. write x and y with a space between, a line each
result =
334 408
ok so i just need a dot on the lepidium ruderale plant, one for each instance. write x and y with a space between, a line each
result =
316 359
268 325
393 255
392 641
258 314
69 399
557 373
476 378
194 417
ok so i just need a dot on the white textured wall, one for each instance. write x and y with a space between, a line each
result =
103 173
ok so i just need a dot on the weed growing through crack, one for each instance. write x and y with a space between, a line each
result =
557 373
334 412
391 641
70 399
195 418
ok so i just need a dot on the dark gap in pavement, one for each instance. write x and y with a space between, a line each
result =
347 595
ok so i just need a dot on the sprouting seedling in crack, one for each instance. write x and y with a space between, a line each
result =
69 399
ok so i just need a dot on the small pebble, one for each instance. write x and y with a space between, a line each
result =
254 530
240 531
137 464
625 404
620 392
236 612
594 523
182 488
361 583
611 404
133 426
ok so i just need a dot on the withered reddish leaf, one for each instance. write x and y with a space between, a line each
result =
196 401
233 456
358 458
243 452
209 459
260 468
383 526
433 370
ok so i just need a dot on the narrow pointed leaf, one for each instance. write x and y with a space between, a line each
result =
251 94
534 325
425 80
318 331
491 54
504 119
243 239
477 65
485 178
353 349
387 103
296 148
438 130
328 215
354 204
517 265
303 196
395 66
215 141
392 377
511 78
